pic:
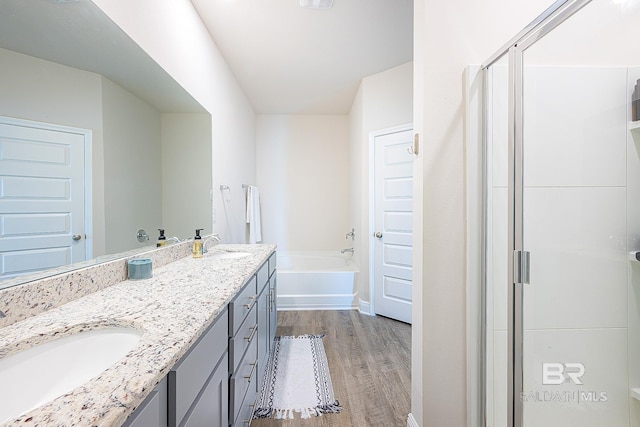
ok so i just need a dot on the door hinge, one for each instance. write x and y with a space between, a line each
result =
521 267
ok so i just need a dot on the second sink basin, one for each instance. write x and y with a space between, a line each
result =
35 376
230 255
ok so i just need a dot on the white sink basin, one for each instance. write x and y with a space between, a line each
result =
37 375
230 255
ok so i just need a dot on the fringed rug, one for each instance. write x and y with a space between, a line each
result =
296 380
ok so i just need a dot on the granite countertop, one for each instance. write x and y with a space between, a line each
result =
171 310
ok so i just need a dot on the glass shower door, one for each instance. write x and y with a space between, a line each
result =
562 267
573 192
574 226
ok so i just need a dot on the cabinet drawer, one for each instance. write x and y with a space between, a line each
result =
241 305
243 338
190 374
242 380
263 276
246 409
272 264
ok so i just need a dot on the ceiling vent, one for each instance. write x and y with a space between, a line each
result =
316 4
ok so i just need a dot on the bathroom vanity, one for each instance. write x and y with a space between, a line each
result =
206 326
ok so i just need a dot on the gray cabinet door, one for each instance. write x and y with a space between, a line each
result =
212 408
153 411
190 376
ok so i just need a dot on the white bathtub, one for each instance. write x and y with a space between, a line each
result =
316 281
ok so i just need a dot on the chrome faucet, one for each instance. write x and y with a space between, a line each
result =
351 234
214 237
175 239
347 250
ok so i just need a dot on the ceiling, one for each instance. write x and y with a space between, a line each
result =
288 60
291 60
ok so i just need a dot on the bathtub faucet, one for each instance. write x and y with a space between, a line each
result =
351 234
347 250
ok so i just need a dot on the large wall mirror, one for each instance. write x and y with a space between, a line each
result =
65 63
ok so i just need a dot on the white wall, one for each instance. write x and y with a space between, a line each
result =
447 37
132 168
383 100
186 174
234 164
598 35
175 37
303 177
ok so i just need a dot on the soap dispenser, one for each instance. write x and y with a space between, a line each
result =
162 240
197 244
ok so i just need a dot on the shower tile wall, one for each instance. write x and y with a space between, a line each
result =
633 244
575 217
496 298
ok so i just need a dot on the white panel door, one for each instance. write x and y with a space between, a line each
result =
393 212
42 218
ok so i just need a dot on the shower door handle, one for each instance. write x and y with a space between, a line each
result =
521 267
378 235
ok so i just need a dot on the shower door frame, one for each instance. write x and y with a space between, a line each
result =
555 15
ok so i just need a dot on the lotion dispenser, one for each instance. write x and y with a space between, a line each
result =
197 244
162 240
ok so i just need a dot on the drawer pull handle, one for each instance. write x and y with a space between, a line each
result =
252 334
254 364
251 304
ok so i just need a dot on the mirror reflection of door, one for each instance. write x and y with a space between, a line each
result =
42 196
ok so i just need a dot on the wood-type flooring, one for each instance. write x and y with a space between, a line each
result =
369 362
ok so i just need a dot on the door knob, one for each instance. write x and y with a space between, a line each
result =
378 235
76 237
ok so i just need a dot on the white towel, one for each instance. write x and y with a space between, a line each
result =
253 214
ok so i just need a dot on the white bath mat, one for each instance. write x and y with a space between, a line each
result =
296 380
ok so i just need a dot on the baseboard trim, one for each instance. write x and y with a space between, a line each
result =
317 302
315 308
411 422
365 308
